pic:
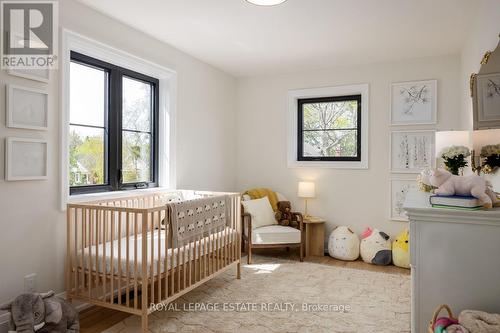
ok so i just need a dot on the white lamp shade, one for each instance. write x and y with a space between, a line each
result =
446 139
484 138
306 190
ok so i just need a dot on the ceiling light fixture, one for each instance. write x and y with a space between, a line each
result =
266 2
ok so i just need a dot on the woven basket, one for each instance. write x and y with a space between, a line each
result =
436 314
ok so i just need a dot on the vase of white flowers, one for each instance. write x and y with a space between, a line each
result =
491 158
454 158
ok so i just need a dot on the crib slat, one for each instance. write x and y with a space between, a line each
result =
97 242
183 265
178 267
152 261
172 257
104 263
166 257
91 241
190 262
127 259
158 266
73 228
135 260
120 258
112 268
82 250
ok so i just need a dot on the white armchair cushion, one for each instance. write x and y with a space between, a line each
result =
275 234
261 212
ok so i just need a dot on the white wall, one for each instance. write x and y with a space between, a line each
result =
484 36
32 239
359 198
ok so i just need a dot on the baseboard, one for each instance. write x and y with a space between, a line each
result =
4 318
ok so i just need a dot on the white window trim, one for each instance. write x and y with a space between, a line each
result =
295 95
72 41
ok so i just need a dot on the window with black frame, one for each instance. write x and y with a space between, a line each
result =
113 133
329 128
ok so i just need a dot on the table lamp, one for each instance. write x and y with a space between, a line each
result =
306 190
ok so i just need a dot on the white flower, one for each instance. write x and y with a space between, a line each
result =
453 151
490 150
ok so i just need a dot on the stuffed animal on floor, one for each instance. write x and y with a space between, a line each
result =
42 313
343 244
474 185
401 251
375 247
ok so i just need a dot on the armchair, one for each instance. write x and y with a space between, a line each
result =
271 236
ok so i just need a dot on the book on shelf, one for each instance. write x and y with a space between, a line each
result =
455 202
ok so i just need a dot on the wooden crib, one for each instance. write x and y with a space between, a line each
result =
126 254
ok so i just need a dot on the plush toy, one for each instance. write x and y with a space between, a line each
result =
474 185
441 324
284 214
343 244
400 250
42 313
376 247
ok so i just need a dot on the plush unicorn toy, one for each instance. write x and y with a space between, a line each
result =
448 184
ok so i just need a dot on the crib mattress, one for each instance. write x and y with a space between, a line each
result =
101 260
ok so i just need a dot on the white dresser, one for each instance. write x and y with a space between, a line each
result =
455 259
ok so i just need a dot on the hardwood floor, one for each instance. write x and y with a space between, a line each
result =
97 319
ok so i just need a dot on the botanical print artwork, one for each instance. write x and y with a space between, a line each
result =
412 96
399 190
489 97
412 151
413 103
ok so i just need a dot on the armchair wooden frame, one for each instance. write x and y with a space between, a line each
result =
246 221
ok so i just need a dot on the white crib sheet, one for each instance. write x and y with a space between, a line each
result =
189 249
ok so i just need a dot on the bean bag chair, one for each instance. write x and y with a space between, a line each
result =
343 244
375 247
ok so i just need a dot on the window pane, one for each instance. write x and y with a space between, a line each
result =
136 105
330 115
88 87
136 157
86 156
331 143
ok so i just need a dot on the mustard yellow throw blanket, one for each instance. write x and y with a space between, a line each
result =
258 193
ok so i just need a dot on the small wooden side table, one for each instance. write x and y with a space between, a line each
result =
315 236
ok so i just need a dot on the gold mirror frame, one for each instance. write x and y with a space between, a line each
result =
490 64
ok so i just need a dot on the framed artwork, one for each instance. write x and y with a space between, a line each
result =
26 107
399 190
414 103
25 159
42 75
488 97
412 151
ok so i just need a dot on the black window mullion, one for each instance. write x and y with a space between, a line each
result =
114 129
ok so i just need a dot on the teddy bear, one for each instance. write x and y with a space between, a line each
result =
400 250
284 214
474 185
375 247
343 244
42 313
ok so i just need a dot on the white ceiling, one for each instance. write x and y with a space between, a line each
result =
246 40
